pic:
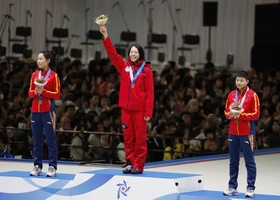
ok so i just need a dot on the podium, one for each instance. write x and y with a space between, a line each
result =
98 184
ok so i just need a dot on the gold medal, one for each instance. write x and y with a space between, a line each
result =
132 85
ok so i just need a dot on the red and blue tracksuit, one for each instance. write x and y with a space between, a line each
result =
43 117
136 102
242 136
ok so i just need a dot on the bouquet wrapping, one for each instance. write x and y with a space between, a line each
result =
101 20
40 82
236 108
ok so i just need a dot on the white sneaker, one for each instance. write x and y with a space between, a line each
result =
37 171
231 192
249 193
127 169
51 172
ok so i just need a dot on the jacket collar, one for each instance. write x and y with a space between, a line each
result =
243 91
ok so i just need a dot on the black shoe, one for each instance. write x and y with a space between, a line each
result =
135 171
127 169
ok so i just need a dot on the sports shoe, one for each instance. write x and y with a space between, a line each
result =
127 169
249 193
51 172
231 192
135 171
37 171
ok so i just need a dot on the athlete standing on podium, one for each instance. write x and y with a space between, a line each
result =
242 109
44 88
136 100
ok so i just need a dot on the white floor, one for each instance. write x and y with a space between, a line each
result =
214 171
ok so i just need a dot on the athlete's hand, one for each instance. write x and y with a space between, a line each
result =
234 115
103 30
146 118
39 90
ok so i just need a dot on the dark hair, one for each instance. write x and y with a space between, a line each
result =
49 55
243 74
140 50
3 138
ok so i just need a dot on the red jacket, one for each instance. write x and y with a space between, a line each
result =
251 112
51 91
141 97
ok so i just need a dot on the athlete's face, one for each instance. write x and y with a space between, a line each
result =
42 62
134 54
241 82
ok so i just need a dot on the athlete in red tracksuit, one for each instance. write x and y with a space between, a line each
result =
136 99
242 132
43 117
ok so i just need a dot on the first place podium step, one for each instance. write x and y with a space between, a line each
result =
98 184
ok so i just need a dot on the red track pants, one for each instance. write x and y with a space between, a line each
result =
134 128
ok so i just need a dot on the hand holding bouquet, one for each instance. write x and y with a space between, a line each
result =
101 20
236 109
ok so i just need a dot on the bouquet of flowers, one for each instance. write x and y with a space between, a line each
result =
235 107
101 20
40 82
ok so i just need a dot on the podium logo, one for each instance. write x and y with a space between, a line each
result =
123 189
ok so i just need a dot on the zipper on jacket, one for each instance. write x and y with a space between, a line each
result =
38 105
128 96
237 128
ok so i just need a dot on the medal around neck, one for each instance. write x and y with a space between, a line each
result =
101 20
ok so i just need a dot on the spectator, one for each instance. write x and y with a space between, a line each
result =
64 138
155 144
79 144
97 150
94 104
210 144
120 150
4 146
273 137
222 139
104 103
168 151
193 108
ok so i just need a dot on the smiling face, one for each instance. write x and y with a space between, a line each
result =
42 62
134 54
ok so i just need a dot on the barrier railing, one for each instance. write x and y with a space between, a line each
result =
21 146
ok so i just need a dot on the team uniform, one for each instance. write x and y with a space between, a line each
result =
136 100
242 135
43 117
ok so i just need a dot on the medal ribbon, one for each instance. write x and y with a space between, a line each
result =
243 98
45 79
133 79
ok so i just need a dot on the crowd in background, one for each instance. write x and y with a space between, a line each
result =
188 111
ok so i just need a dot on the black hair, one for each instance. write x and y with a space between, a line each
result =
140 50
4 138
49 55
243 74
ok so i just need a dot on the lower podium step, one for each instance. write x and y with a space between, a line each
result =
109 184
